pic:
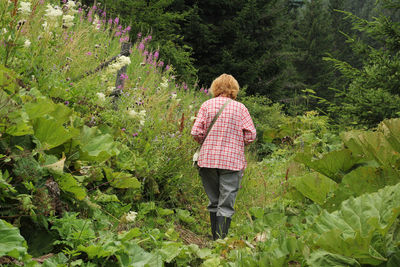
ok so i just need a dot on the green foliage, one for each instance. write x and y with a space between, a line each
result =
371 94
12 243
360 225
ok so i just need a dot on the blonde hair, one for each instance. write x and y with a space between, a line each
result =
225 85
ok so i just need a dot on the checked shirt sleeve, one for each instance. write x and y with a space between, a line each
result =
249 131
199 128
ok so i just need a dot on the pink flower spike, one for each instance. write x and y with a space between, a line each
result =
89 53
156 54
128 28
141 46
110 21
116 21
161 64
139 35
167 67
118 34
104 14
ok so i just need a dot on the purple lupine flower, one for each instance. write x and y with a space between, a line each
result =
116 21
145 52
156 54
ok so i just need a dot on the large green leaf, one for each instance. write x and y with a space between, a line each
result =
69 184
314 186
321 258
42 106
391 130
19 124
96 146
134 255
170 250
11 242
333 165
51 133
372 146
369 179
355 230
123 180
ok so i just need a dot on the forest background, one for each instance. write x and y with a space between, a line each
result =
303 54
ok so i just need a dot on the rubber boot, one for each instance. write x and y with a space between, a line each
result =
223 224
213 221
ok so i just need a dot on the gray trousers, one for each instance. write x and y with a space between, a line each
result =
221 187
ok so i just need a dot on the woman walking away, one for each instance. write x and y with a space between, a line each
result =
223 127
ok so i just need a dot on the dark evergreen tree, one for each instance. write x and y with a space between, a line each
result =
315 40
373 92
248 39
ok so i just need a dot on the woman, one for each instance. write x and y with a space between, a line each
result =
221 160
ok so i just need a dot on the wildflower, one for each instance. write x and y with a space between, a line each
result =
71 4
66 103
110 21
167 67
135 134
25 8
118 34
27 43
101 97
128 28
121 62
71 8
68 21
116 21
123 129
132 113
89 53
161 63
139 35
124 76
156 54
53 12
173 95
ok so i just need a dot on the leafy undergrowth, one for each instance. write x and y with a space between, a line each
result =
98 173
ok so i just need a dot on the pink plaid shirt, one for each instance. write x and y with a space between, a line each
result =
224 145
